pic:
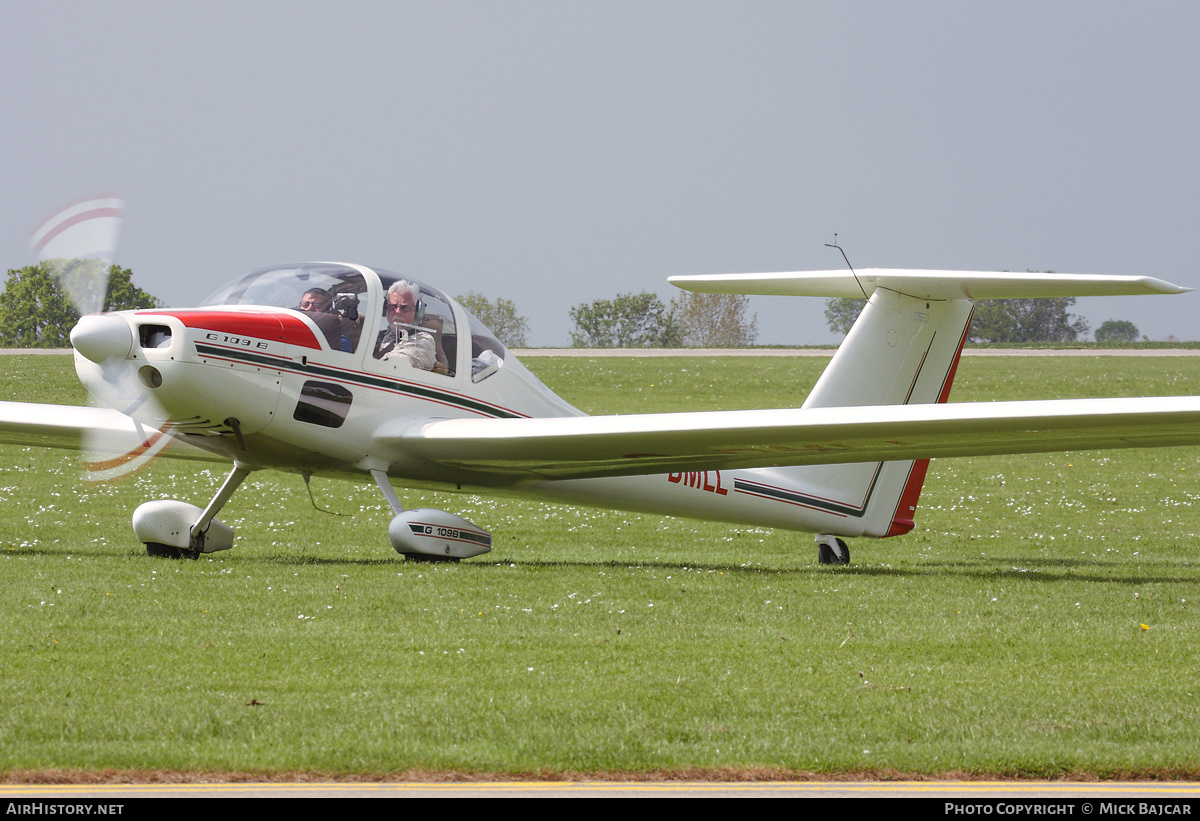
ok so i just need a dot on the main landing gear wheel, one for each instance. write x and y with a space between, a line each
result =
425 558
177 530
163 551
829 554
427 535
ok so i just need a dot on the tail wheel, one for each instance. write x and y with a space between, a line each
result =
826 554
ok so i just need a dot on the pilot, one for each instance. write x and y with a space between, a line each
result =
316 300
317 303
403 336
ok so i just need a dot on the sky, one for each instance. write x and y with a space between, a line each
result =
555 153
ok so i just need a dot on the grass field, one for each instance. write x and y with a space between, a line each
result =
1040 620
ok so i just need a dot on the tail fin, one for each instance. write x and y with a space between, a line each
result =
903 349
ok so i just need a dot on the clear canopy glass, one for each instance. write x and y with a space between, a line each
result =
338 299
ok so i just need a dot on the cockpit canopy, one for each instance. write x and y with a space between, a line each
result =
349 303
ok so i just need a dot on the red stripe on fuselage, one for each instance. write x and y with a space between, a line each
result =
286 328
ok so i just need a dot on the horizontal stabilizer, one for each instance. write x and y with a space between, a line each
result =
925 284
592 446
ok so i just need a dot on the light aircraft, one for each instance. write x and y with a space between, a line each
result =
260 378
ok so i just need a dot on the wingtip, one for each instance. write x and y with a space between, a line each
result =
1163 287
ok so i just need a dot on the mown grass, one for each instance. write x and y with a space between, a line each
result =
1041 618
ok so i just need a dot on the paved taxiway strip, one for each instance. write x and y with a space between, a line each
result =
827 352
1121 791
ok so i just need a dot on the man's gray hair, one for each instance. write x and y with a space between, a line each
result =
402 286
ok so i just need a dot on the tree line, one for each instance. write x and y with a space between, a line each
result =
691 320
633 321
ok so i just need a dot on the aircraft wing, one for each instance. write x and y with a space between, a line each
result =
65 426
592 446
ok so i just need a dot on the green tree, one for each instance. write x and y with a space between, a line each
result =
713 320
81 281
629 321
1117 330
123 295
35 311
499 315
841 313
1027 320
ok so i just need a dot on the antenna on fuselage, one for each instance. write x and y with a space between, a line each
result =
307 476
848 265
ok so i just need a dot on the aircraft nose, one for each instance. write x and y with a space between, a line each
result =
101 337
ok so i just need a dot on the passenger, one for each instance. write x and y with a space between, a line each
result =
403 336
